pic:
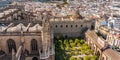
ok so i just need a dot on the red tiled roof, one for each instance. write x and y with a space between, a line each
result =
112 54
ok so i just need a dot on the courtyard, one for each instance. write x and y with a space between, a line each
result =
73 49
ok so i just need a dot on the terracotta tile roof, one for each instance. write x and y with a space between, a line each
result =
93 36
112 54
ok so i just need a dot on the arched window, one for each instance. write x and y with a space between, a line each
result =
34 46
81 25
41 51
56 26
61 26
66 25
11 45
50 26
71 25
76 25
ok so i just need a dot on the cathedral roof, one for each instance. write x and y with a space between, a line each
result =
21 27
35 28
17 28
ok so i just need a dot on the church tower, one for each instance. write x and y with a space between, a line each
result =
47 45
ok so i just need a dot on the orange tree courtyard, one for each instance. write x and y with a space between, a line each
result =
73 49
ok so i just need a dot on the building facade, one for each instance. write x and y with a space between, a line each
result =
100 47
69 28
24 38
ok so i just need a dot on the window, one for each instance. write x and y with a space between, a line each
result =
34 46
15 18
66 25
50 26
76 25
81 25
56 26
11 45
42 17
61 26
71 25
92 27
41 51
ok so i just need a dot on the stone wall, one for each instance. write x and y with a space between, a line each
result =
17 40
69 28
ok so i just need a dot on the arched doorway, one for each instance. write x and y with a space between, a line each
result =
34 46
34 58
11 45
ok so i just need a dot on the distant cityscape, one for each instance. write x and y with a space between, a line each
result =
59 30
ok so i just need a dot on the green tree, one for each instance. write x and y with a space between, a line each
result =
79 49
70 41
57 56
78 44
79 59
86 47
70 53
73 44
67 48
60 41
94 57
85 44
67 45
62 47
86 57
82 51
65 42
76 52
77 40
59 36
82 41
74 48
88 51
65 58
72 58
116 47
